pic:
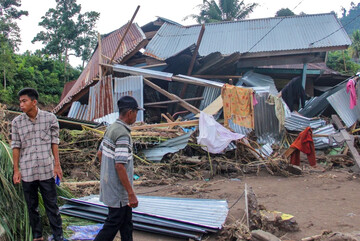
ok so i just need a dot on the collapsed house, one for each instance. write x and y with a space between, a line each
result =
178 71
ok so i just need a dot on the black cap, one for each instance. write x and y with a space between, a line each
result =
128 102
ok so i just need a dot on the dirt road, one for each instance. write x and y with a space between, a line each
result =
326 201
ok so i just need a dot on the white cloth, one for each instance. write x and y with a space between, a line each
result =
213 135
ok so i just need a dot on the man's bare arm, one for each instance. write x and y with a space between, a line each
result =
16 158
57 167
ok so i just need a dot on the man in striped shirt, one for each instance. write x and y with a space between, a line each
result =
35 140
117 171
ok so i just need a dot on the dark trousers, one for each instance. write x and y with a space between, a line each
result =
48 193
117 219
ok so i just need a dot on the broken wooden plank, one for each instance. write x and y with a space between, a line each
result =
214 107
183 103
160 125
166 118
100 56
349 139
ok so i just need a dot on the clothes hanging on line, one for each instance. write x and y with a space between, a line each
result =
238 105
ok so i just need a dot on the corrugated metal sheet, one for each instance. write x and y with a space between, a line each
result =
101 99
340 101
317 105
144 72
170 146
133 38
210 94
299 123
209 213
266 122
78 111
324 142
132 86
202 81
252 79
293 33
109 119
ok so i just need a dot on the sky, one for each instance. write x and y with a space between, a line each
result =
116 13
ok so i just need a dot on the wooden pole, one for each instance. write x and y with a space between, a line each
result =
100 56
183 103
123 37
191 66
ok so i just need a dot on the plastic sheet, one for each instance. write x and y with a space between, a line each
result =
85 233
213 136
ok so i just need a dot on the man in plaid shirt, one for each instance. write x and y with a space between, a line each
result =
35 140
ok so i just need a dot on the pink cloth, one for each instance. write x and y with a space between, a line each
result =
350 86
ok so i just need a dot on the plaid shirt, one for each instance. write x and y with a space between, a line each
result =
34 139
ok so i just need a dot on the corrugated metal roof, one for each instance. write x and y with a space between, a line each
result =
170 146
209 213
144 72
324 142
293 33
340 101
252 79
298 123
132 86
133 38
101 99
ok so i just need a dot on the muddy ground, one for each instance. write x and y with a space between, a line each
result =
319 201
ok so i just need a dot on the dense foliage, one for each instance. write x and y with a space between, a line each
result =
223 10
34 70
68 31
351 18
284 12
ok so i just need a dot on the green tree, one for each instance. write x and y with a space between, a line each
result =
7 69
283 12
38 71
350 19
340 61
68 31
224 10
9 30
355 46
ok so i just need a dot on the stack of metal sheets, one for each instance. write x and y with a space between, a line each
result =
178 217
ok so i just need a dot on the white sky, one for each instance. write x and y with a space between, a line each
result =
115 13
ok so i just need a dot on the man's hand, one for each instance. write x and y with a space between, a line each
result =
133 202
17 177
58 171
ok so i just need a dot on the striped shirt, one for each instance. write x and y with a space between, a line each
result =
116 147
34 139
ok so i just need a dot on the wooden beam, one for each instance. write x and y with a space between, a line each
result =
191 66
172 101
183 103
100 56
123 37
166 118
349 139
162 125
140 46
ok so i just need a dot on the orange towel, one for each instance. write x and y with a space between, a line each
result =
304 142
238 105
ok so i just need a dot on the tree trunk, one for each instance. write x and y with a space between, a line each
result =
4 78
65 63
4 74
